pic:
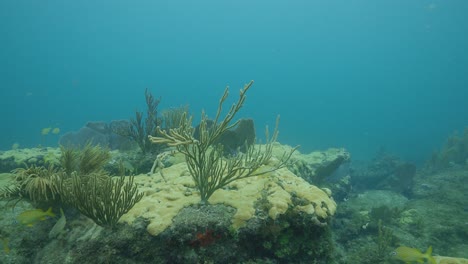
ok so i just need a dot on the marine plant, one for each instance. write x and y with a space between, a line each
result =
37 183
172 117
102 200
140 128
87 187
90 159
384 241
209 169
373 248
385 214
453 152
81 182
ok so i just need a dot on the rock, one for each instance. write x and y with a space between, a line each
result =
449 260
236 138
317 166
386 172
285 188
84 136
377 198
20 158
100 133
101 127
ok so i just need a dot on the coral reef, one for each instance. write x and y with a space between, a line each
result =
435 215
275 217
214 196
23 158
80 182
440 200
165 197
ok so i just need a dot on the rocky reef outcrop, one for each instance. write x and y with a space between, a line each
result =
99 133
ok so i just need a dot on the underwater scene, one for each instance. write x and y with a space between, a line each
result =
318 131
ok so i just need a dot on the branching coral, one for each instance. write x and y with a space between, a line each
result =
102 200
37 183
454 152
209 168
172 117
90 159
81 183
140 128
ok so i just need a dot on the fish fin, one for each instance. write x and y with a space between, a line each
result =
428 256
431 260
429 251
50 213
6 247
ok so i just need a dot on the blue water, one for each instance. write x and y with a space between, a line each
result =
355 74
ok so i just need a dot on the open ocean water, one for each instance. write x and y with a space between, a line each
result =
363 75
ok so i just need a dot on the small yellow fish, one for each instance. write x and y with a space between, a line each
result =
45 131
410 255
30 217
55 131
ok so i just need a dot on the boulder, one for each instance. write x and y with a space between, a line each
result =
99 133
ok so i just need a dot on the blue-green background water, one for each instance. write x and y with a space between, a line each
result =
354 74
